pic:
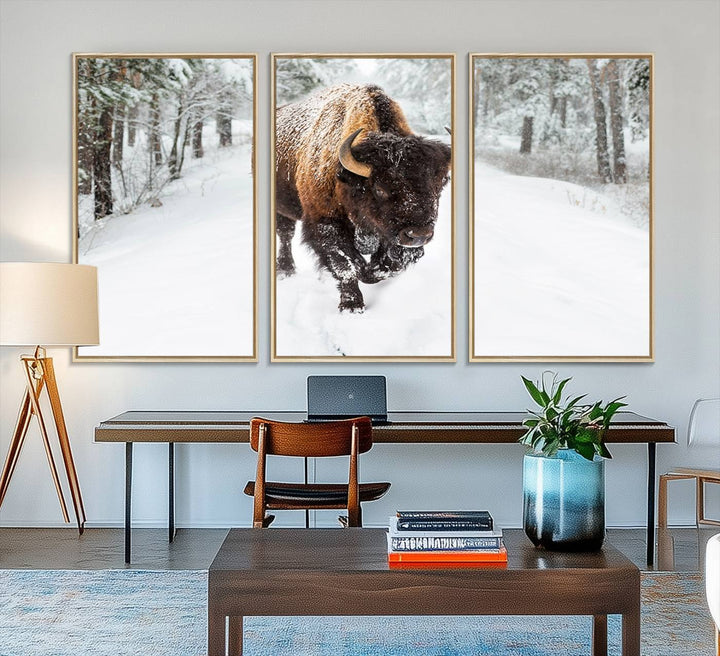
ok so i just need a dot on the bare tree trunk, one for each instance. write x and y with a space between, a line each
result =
224 129
174 160
118 137
527 135
183 146
154 147
601 142
154 137
197 142
477 89
85 154
133 111
132 117
102 174
612 72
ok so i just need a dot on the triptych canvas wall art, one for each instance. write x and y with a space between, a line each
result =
561 198
165 203
362 207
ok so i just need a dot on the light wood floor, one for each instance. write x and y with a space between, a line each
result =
681 549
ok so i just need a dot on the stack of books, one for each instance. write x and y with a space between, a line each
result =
445 538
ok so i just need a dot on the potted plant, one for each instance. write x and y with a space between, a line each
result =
564 468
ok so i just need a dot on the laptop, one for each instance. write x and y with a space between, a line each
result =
342 397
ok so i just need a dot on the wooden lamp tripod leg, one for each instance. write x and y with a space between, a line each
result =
23 422
39 373
64 440
35 372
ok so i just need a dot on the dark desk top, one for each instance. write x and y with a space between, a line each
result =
407 427
365 549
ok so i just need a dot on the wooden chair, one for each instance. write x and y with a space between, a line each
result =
703 429
349 437
701 477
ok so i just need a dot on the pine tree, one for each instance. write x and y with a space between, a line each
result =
612 76
638 97
601 142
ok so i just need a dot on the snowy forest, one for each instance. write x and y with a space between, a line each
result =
137 118
582 120
164 192
562 181
394 324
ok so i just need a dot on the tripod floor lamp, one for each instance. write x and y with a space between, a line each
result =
46 304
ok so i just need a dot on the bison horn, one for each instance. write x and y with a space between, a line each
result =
349 162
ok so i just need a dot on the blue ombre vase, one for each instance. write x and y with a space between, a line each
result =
564 501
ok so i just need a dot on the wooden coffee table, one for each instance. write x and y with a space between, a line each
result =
345 572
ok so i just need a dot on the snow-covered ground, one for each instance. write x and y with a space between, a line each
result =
177 280
558 271
407 315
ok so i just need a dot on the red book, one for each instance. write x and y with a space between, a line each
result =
449 557
448 565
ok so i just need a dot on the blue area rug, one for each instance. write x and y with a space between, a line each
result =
131 612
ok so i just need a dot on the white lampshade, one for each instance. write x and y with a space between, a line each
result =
48 304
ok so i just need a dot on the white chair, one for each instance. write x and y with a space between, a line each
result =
712 584
703 430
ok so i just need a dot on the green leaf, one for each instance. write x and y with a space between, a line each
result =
610 409
534 392
575 401
586 436
558 393
595 411
586 451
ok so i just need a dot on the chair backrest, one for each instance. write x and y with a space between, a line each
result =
704 423
311 440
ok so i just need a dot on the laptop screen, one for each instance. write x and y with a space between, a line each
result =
340 397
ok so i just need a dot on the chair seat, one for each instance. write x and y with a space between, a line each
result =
316 495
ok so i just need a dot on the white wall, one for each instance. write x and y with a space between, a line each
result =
37 38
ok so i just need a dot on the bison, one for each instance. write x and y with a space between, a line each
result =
363 185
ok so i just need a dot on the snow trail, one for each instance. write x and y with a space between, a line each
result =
558 270
177 280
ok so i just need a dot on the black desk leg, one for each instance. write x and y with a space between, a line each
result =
171 491
651 505
128 497
307 512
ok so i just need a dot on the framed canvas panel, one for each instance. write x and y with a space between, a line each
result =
561 207
164 198
362 207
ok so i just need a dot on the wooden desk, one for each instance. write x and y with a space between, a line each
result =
403 427
279 572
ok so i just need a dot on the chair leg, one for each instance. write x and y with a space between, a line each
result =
662 501
354 516
699 501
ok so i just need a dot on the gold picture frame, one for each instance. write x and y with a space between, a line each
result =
165 203
560 253
307 322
